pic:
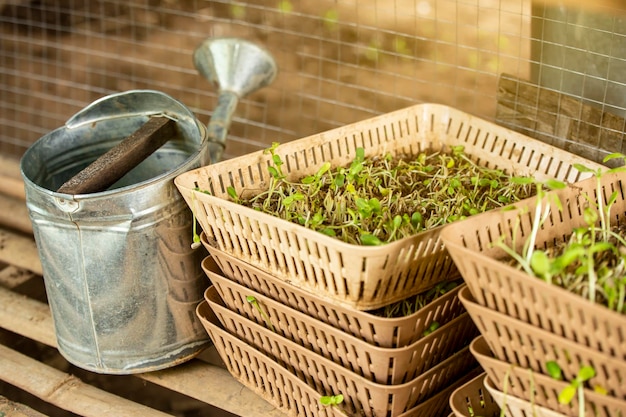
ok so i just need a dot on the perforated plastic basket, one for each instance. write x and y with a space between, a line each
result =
378 364
266 378
363 277
524 383
502 287
379 331
514 341
471 399
281 387
364 396
516 407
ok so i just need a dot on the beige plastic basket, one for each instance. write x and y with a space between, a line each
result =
511 291
266 378
362 277
514 341
363 396
516 407
471 399
479 398
378 364
286 391
524 383
379 331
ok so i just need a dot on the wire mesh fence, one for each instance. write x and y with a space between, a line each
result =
339 61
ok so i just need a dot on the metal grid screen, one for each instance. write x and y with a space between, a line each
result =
340 61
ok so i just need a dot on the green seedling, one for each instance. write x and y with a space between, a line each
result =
413 304
575 387
592 262
330 400
252 300
195 236
433 326
378 200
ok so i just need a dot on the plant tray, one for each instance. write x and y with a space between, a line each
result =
377 364
504 288
376 330
471 399
362 277
516 407
361 395
514 341
284 389
523 383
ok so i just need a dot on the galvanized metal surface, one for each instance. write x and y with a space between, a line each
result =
236 68
120 274
202 378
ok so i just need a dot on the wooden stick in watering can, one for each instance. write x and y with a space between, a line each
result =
123 157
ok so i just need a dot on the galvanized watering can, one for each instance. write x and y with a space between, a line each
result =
121 276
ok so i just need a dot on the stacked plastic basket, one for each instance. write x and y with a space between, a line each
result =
527 325
289 307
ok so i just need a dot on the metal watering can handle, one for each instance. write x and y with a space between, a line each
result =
235 67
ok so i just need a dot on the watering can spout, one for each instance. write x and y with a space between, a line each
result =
234 65
236 68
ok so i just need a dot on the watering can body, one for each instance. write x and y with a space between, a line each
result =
121 277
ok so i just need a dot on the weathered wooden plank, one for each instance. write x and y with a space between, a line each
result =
203 381
19 250
197 379
559 119
213 385
27 317
12 276
65 391
11 183
12 409
14 214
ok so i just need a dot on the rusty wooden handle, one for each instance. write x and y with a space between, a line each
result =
119 160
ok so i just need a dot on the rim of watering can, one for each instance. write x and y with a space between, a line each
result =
111 107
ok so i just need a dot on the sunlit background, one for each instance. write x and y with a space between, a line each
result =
340 61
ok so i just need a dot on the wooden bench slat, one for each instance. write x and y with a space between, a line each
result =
66 391
10 408
206 382
19 250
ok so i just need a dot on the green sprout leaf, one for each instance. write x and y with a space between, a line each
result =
252 300
370 240
586 373
433 326
540 263
329 400
232 193
554 370
567 394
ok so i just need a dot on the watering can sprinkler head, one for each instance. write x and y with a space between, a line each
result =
234 65
236 68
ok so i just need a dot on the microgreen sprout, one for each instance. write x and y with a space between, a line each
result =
592 262
433 326
252 300
413 304
195 236
381 199
330 400
575 387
